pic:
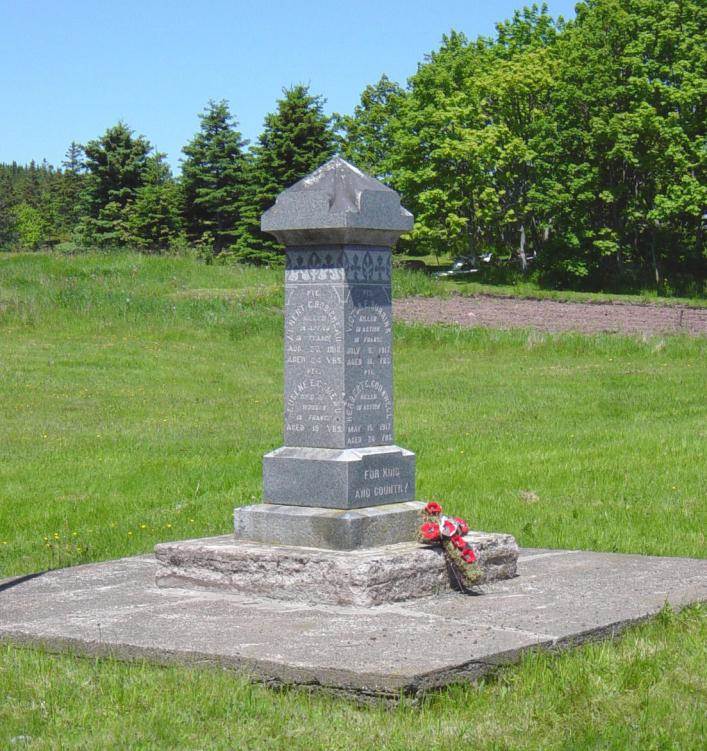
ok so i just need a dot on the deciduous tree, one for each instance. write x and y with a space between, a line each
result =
365 137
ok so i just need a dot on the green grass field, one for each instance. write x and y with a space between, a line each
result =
137 396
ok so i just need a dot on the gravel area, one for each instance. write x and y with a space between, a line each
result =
552 315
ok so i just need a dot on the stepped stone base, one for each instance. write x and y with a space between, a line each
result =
390 573
332 529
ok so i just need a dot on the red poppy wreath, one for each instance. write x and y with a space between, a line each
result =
449 531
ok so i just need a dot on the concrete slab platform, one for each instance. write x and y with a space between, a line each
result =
560 598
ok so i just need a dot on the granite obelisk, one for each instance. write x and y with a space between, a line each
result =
339 481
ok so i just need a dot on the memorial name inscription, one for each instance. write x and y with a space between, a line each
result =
338 356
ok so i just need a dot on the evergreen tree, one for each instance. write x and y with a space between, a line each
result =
213 176
365 138
116 165
69 189
297 138
8 219
153 221
28 204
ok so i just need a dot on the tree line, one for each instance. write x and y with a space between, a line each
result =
117 190
573 150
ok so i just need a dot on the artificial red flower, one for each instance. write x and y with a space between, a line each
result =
458 542
468 556
430 531
463 526
433 508
448 528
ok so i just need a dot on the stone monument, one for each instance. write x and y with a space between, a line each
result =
339 482
339 516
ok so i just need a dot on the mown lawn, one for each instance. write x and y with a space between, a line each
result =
137 396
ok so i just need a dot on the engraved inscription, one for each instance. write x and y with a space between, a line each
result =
313 414
369 415
369 404
313 336
387 478
381 483
338 342
368 348
314 362
381 491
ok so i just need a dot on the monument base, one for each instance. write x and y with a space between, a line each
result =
339 478
390 573
331 529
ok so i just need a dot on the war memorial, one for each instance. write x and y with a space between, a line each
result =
326 583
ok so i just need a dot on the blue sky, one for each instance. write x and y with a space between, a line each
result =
71 68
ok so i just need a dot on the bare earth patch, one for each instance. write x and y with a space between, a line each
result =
552 315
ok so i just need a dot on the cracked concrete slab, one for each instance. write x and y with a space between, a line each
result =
559 598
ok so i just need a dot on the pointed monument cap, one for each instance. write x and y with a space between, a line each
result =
337 204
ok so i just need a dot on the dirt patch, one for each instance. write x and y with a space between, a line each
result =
552 315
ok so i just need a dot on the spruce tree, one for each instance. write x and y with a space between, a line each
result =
70 187
297 138
8 219
29 204
212 177
116 164
153 221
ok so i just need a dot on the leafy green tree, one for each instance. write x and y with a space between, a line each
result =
582 144
365 138
31 226
116 165
297 138
579 144
213 177
465 155
627 188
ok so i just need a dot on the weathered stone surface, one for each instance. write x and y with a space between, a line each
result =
339 478
340 204
560 598
332 529
391 573
338 347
